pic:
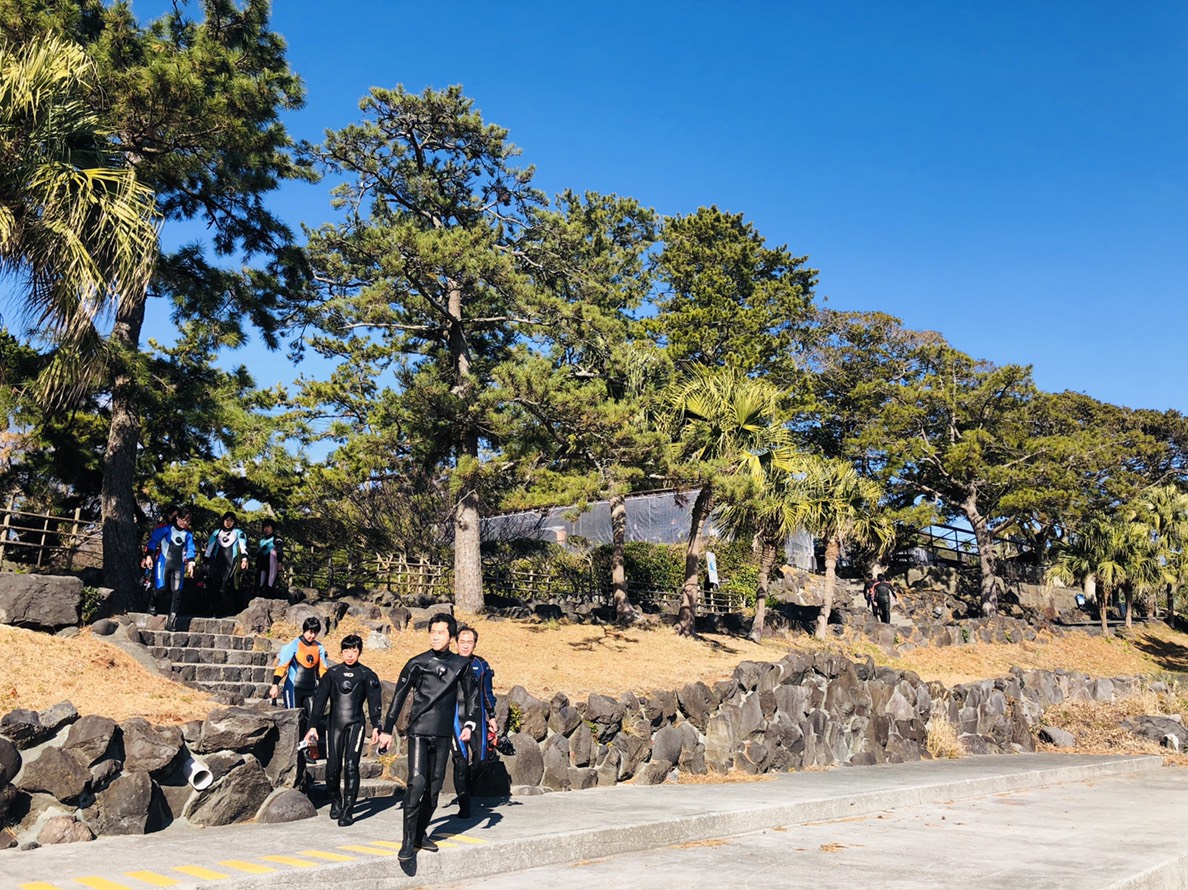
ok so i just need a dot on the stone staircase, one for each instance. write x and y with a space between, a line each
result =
209 654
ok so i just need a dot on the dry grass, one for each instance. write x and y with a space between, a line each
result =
574 659
942 741
1097 726
92 674
727 778
1097 656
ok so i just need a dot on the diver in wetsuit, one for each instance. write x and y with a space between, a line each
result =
174 548
348 686
470 757
226 552
300 664
269 556
442 686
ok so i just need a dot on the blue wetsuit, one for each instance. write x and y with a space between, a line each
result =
174 549
473 755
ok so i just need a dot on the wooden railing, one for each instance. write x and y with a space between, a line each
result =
47 540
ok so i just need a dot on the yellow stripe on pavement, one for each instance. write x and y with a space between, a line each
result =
197 871
39 885
250 867
329 857
101 883
460 837
290 860
359 848
151 877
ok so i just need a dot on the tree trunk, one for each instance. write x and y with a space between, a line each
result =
1103 602
985 555
468 561
832 552
767 555
1128 599
688 610
1171 605
624 611
121 538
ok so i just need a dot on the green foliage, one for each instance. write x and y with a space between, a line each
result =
92 599
648 566
515 718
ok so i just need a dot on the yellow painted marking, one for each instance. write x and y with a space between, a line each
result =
250 867
40 885
100 883
330 857
460 837
359 848
151 877
197 871
392 844
290 860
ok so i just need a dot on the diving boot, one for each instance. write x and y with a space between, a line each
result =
347 816
464 807
171 624
427 844
335 806
408 851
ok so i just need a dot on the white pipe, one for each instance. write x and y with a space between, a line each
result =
198 774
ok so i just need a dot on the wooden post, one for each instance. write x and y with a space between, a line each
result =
4 527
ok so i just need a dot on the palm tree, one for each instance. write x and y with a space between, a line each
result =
833 502
725 425
1100 555
76 227
1164 510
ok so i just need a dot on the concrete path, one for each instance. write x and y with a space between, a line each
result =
1020 821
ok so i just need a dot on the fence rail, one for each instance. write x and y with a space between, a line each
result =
46 540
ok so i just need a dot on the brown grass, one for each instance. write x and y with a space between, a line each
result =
727 778
92 674
942 741
1097 726
575 659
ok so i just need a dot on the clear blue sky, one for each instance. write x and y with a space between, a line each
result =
1010 174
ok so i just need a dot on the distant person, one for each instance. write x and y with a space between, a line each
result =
348 687
173 545
149 560
269 559
884 594
442 687
300 665
868 590
227 560
471 757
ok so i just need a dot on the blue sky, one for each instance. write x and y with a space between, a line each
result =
1010 174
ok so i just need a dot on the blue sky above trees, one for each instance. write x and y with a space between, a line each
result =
1011 175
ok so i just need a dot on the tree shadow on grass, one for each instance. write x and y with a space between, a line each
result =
1169 656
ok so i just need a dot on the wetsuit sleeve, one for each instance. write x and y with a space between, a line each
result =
375 700
320 698
323 664
407 677
190 552
211 543
154 541
470 698
489 690
283 659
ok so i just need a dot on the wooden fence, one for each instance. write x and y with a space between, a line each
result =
45 540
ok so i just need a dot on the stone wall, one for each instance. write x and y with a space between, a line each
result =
65 778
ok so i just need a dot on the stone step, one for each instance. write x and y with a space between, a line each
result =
248 691
192 624
224 673
368 769
180 639
194 655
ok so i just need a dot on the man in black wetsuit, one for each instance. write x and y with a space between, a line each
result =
347 686
442 686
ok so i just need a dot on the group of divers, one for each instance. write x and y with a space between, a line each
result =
169 559
453 704
452 716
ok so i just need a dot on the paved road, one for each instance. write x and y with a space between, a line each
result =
1022 821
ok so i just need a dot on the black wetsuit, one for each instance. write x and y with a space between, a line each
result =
347 688
882 597
443 687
